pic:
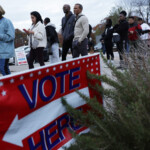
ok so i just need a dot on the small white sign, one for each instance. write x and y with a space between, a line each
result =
21 58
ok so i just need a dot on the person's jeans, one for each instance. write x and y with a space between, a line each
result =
4 67
54 58
103 48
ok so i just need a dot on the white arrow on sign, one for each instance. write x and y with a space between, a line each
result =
21 129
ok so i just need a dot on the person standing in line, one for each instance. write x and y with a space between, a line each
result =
37 39
122 30
7 36
135 31
145 37
107 37
52 41
67 30
81 31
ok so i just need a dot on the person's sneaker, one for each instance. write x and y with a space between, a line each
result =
112 62
120 67
108 61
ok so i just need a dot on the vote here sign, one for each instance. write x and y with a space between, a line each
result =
32 116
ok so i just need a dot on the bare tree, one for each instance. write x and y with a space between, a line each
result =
127 5
140 8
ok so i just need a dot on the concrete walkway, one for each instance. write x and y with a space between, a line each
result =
104 68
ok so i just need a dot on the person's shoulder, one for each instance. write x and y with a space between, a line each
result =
73 15
145 25
52 28
63 18
126 22
41 24
83 17
6 20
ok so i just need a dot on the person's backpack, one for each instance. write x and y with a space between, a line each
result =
116 38
90 31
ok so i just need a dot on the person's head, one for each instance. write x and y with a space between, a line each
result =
36 17
2 11
108 22
122 15
140 21
131 20
46 21
78 9
66 8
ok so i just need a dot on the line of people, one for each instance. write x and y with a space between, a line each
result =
75 29
125 34
42 35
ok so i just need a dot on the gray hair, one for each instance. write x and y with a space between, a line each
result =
2 11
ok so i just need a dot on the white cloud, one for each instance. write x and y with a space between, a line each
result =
19 10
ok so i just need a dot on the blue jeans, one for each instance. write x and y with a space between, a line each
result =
54 58
4 67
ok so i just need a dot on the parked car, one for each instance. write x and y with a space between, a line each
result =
98 47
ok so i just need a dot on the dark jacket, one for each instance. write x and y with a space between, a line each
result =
108 34
122 30
52 36
68 27
137 31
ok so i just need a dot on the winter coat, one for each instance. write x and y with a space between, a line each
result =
107 36
122 30
137 30
81 29
7 36
52 36
146 35
39 34
68 27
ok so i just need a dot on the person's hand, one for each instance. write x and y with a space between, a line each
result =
26 31
79 43
30 32
131 32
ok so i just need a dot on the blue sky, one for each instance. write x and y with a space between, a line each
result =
19 10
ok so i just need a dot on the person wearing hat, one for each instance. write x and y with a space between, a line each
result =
122 30
7 36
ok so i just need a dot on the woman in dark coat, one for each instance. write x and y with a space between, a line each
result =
107 37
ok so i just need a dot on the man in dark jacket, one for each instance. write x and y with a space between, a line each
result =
122 30
52 41
67 30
